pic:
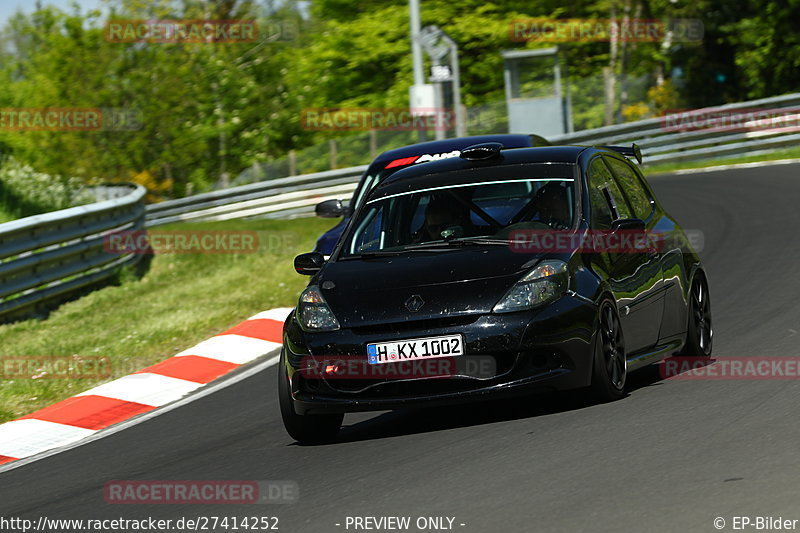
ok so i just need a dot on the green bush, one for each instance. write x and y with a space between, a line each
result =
25 192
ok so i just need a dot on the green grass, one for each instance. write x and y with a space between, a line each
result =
181 301
792 153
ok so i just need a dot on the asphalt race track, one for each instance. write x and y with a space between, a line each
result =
671 456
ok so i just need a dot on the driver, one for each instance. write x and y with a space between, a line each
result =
443 213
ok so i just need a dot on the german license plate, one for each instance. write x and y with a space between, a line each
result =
413 349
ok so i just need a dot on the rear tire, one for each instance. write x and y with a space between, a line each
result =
699 335
305 429
610 367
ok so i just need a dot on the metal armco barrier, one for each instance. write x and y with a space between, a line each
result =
662 141
292 196
46 257
659 140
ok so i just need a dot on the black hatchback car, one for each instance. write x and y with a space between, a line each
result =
501 271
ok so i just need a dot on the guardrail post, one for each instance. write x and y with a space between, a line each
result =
332 147
373 144
292 162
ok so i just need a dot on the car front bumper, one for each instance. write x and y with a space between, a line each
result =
539 350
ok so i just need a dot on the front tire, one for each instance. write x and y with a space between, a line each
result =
305 429
610 368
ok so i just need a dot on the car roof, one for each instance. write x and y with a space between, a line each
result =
509 140
567 155
555 162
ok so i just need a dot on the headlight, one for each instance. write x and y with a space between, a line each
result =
313 313
543 284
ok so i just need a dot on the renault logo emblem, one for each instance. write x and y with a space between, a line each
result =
414 303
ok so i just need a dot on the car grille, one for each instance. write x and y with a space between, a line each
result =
412 325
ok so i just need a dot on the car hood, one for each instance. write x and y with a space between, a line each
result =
450 283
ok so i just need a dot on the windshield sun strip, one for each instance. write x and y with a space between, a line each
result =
416 191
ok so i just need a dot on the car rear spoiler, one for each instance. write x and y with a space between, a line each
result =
632 151
538 140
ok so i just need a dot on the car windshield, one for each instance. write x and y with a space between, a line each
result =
484 212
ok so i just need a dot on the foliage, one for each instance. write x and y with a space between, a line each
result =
214 109
24 192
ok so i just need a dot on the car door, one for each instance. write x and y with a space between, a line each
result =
635 276
669 237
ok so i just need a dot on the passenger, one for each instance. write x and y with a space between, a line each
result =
553 206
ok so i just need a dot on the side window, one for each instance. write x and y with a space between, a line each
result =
607 201
632 186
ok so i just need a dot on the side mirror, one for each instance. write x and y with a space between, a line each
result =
330 209
309 264
628 224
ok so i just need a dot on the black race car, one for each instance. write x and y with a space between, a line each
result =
397 159
500 271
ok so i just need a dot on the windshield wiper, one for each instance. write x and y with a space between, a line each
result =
478 241
430 247
435 246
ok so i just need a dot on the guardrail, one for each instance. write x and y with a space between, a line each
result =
292 196
661 143
296 195
46 258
